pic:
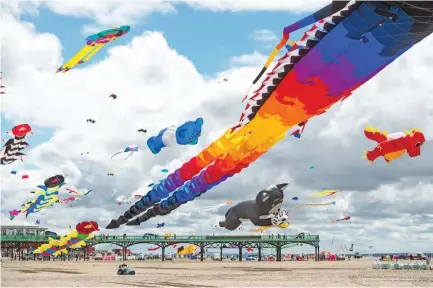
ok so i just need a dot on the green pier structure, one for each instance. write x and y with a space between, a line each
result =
278 242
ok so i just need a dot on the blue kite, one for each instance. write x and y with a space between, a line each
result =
130 148
186 134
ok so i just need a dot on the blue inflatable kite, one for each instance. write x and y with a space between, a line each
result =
186 134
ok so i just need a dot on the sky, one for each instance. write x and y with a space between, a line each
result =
165 72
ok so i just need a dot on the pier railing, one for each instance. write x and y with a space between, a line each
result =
151 238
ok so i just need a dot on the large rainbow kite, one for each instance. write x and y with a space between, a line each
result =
349 43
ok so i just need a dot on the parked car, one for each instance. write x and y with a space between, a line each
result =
98 257
168 258
251 258
270 258
357 256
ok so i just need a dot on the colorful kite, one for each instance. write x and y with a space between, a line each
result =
78 193
325 193
186 134
349 43
130 148
394 145
345 218
94 43
188 250
47 196
83 231
11 149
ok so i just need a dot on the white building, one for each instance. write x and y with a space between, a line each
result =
22 230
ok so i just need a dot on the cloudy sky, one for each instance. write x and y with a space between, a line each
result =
166 71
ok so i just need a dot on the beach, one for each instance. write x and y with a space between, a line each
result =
209 274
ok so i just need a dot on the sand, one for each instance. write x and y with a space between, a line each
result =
209 274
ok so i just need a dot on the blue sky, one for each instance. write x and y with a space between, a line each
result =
208 39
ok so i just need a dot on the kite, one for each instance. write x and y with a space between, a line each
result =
188 250
282 217
13 172
263 211
347 45
345 218
25 176
351 248
215 207
395 145
312 167
1 86
295 198
69 199
110 174
298 132
160 225
186 134
91 121
94 43
47 197
250 249
164 170
130 148
142 130
12 148
130 200
325 193
83 231
37 222
114 96
78 193
154 248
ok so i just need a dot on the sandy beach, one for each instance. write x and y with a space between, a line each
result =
209 274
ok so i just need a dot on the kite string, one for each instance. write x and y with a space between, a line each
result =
309 204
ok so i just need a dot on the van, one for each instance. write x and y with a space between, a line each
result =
216 257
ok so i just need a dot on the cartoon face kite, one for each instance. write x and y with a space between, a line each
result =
394 145
11 149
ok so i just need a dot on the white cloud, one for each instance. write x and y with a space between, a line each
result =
254 59
249 5
264 36
157 87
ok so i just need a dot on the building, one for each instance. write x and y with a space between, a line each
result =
22 230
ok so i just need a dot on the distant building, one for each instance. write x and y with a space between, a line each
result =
22 230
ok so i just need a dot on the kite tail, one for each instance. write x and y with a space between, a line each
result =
375 134
304 205
115 154
129 155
